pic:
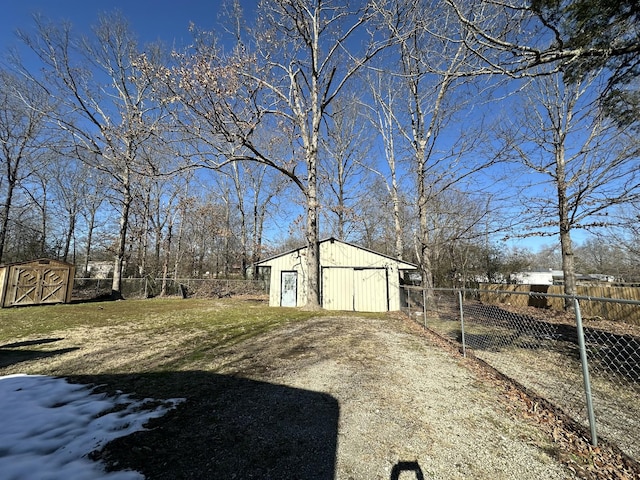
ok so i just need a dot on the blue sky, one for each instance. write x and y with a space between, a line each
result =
150 19
167 20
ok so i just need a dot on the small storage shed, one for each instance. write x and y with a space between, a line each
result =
36 282
351 278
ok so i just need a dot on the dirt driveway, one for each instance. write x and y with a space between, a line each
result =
330 397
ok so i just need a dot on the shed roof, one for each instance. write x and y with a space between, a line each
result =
39 261
401 263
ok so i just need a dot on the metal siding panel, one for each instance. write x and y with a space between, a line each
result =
3 285
337 293
274 286
290 261
370 290
342 255
394 289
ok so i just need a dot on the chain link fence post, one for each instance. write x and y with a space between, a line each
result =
585 374
464 347
424 306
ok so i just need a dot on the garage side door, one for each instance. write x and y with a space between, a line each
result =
370 290
289 289
337 288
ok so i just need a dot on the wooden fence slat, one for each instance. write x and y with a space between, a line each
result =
627 313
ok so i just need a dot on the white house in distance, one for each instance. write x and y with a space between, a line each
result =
351 278
538 277
556 277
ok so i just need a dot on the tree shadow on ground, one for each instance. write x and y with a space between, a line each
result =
12 353
228 427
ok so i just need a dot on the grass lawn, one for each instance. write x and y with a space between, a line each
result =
175 348
226 315
206 325
265 388
135 336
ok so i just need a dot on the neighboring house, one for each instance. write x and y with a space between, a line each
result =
100 270
538 277
351 278
556 277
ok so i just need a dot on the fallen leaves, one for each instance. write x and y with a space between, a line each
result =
570 442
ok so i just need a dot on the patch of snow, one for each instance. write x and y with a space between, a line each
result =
48 426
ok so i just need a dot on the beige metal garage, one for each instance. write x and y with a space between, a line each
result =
352 278
36 282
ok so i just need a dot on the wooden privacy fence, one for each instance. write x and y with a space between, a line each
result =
613 311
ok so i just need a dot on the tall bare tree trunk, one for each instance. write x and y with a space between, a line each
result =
244 243
69 235
4 215
397 220
566 245
258 225
116 285
167 257
423 215
87 254
312 234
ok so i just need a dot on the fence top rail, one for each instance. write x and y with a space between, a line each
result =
537 294
159 279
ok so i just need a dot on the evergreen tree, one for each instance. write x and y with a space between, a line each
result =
603 34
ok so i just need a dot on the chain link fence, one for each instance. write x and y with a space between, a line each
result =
94 288
584 360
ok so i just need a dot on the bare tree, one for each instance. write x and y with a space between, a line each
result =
256 190
92 200
283 75
376 228
604 255
460 225
385 92
581 156
179 188
68 190
343 169
435 67
206 227
38 193
24 107
615 249
106 102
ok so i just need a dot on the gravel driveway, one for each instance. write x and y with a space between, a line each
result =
406 408
327 398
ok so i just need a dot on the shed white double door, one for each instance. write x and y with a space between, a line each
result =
356 289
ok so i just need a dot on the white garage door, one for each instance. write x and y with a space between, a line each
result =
360 290
370 290
337 288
